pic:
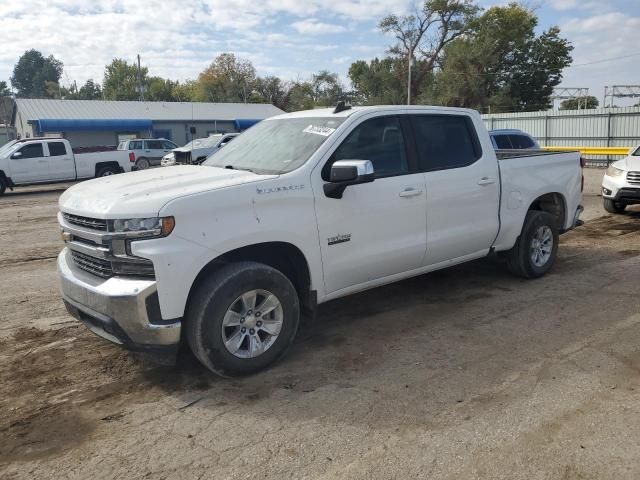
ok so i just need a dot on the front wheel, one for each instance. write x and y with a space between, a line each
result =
612 206
536 250
242 318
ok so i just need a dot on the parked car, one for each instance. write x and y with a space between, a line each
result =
300 209
49 160
146 152
621 183
197 151
512 139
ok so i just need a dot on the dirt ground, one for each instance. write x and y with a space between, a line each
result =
460 374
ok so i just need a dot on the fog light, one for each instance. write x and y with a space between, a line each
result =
606 191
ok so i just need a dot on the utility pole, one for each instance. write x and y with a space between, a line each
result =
409 58
139 79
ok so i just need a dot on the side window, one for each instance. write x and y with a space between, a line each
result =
168 145
445 141
521 141
503 142
57 149
153 144
379 140
135 145
33 150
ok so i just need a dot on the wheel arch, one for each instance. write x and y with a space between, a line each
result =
100 165
553 203
283 256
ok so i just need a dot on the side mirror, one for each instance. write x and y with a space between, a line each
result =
345 173
16 155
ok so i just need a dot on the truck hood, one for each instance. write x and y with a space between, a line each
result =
629 163
142 194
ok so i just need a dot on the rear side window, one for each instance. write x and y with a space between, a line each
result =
503 142
57 149
33 150
154 144
445 141
135 145
379 140
521 141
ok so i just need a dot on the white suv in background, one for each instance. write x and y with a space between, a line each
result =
146 152
621 183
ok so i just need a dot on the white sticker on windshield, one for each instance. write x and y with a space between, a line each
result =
324 131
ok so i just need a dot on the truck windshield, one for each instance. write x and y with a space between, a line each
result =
275 146
6 147
636 153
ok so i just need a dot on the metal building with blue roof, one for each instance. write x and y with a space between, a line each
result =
91 123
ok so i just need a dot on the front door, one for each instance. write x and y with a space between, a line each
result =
376 229
29 164
463 187
61 162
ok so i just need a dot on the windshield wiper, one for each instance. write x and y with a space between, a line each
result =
231 167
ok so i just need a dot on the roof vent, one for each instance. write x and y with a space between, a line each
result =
342 106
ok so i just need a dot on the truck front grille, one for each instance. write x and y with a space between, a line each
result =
97 266
86 222
633 178
183 158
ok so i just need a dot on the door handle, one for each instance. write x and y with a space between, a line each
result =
486 181
42 161
410 192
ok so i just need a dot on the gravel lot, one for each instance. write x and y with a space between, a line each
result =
460 374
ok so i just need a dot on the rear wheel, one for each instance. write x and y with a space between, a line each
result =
106 171
537 247
142 164
3 185
612 206
242 318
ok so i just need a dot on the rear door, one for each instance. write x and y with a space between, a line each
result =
154 150
29 164
61 162
463 187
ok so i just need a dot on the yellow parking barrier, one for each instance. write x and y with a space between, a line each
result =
592 150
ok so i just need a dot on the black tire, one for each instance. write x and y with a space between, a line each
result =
3 185
142 164
612 206
107 171
212 299
519 258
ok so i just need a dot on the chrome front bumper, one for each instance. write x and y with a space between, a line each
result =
123 310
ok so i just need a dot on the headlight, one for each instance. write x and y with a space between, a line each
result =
144 227
614 171
169 156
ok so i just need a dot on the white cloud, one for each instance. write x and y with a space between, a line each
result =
177 38
563 4
597 39
315 27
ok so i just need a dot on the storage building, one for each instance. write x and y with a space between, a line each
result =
91 123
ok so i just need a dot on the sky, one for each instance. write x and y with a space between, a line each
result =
289 38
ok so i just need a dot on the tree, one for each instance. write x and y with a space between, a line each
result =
326 88
121 80
4 89
271 90
160 90
378 82
186 92
90 91
501 65
425 34
582 102
301 96
227 79
33 75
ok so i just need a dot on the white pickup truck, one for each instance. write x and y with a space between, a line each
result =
50 160
301 209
